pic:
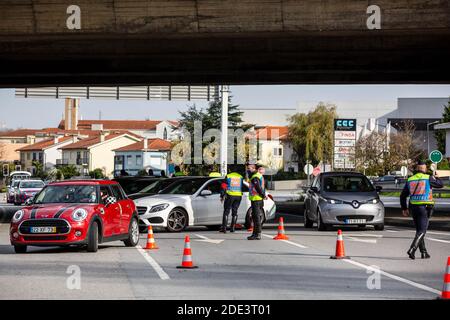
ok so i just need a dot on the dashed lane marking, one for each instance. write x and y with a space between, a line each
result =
437 240
161 273
374 241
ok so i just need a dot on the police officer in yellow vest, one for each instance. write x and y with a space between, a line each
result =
232 194
256 195
419 190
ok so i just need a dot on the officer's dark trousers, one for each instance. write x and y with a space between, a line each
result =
420 217
257 211
231 203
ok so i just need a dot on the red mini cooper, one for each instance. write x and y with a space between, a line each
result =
83 212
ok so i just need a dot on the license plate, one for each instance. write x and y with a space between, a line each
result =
355 221
43 229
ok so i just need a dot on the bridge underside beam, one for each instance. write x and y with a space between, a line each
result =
258 58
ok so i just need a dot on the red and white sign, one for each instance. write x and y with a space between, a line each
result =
316 171
350 135
346 150
344 143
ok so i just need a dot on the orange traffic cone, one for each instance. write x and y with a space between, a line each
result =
340 252
446 289
187 263
151 244
281 234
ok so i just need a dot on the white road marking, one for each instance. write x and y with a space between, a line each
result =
205 239
162 274
389 275
367 235
287 241
437 240
391 230
394 277
374 241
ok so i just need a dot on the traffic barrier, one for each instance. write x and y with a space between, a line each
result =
446 288
281 234
187 263
340 252
151 244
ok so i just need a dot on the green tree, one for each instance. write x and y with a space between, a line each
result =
210 118
68 171
40 172
440 134
97 174
311 134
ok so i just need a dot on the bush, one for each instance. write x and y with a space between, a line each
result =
97 174
282 175
67 172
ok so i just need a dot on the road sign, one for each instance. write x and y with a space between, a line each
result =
308 169
404 171
436 156
316 171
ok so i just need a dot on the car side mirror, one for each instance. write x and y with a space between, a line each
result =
378 188
205 193
314 189
110 200
29 201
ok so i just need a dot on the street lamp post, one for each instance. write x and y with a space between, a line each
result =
428 135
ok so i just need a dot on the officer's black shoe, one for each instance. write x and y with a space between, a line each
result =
412 253
223 230
425 255
254 237
423 250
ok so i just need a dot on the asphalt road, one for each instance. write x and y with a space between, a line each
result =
231 267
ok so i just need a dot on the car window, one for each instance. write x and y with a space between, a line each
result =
116 192
187 186
214 186
158 185
131 186
105 192
347 184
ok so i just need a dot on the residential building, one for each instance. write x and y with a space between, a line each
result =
47 152
445 126
96 151
143 155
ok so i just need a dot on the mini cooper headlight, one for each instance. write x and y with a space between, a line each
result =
159 207
79 215
18 216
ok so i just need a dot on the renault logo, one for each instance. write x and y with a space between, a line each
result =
355 204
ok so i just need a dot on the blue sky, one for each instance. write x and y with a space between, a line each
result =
40 113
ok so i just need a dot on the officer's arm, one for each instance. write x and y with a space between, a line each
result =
403 197
256 184
435 182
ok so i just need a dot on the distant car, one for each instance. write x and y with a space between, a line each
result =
81 213
343 198
27 189
134 184
194 201
388 179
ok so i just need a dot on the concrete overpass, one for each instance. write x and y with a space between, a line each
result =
128 42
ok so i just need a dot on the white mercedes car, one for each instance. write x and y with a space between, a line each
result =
194 201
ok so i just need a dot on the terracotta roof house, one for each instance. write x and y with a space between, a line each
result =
148 154
47 152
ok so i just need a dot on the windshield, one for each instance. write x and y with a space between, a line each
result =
184 186
31 184
347 184
15 183
156 186
67 194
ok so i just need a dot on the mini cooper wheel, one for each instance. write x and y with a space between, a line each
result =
177 220
20 249
92 245
133 234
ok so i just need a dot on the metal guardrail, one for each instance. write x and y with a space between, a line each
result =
435 191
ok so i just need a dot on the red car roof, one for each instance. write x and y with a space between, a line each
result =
82 182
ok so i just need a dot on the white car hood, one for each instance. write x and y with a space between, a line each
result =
161 198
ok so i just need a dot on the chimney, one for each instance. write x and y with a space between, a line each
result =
56 139
145 144
71 114
102 136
